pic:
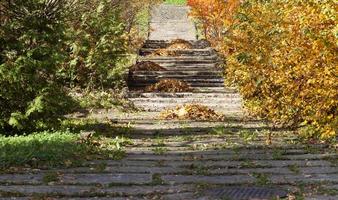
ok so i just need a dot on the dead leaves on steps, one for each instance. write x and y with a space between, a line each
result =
169 85
146 66
192 112
178 44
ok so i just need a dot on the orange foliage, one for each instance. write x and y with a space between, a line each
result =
214 15
282 55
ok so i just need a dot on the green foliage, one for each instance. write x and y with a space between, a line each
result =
97 42
30 54
47 46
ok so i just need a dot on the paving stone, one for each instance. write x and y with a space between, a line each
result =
79 178
83 191
68 190
333 187
21 178
126 169
232 179
181 196
318 197
245 192
106 179
307 178
249 179
171 22
239 156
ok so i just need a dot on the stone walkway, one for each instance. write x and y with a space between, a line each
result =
171 22
169 159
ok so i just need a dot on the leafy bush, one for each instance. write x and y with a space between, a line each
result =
49 44
215 16
97 42
31 52
283 56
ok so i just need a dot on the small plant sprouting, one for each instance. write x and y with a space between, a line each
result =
50 177
157 179
261 179
294 168
160 150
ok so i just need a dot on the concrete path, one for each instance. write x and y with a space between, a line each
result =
171 22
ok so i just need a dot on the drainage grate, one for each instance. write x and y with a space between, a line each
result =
246 193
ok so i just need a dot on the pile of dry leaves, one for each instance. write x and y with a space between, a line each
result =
163 52
146 66
169 85
178 44
192 112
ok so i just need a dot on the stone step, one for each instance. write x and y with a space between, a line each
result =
186 68
204 90
72 191
181 52
217 164
181 60
178 73
216 101
189 80
72 179
219 171
141 85
212 66
184 95
250 179
154 106
248 156
151 77
160 44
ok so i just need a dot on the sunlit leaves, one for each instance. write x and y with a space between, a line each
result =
283 56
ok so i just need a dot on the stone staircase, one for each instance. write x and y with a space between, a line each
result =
199 67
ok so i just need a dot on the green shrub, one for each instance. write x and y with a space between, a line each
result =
31 51
97 44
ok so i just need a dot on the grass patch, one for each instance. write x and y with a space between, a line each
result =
55 149
176 2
